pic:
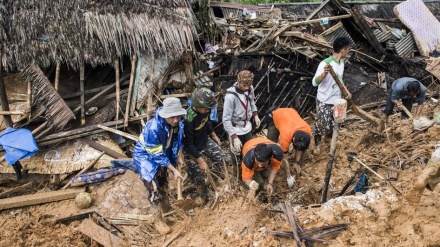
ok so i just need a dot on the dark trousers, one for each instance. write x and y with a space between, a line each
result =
214 153
408 103
272 132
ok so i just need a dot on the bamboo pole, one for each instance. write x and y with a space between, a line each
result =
57 75
81 89
150 87
29 98
118 132
331 157
3 96
136 85
116 64
84 169
130 89
12 113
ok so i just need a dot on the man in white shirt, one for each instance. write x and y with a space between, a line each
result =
328 90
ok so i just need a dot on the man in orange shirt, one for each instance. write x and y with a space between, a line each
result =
288 127
258 154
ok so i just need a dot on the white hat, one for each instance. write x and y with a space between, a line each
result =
171 108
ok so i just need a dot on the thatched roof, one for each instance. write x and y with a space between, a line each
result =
94 32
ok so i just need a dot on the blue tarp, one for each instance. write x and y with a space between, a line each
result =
18 144
362 184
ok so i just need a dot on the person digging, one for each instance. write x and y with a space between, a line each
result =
406 89
261 161
157 151
285 127
200 140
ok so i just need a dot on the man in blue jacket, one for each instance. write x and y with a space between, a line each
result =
156 151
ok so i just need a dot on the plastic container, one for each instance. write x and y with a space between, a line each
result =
340 110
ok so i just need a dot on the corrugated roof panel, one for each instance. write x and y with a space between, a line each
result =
383 36
406 46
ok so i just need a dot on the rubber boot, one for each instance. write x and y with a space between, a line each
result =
161 227
17 168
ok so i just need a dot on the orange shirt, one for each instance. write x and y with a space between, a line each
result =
288 122
247 166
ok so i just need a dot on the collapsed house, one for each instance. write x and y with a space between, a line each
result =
108 65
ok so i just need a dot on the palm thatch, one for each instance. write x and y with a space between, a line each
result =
92 32
57 112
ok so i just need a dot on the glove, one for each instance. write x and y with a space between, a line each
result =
253 185
290 181
236 143
257 121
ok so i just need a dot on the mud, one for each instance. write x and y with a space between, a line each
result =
380 217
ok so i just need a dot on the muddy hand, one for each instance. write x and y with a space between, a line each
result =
177 174
269 189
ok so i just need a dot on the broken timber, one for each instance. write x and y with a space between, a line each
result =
99 234
361 113
103 148
39 198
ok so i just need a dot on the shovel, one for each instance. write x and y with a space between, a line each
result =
185 204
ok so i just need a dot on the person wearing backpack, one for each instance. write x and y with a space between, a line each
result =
238 109
328 90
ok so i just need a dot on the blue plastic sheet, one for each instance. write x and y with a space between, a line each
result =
362 184
18 144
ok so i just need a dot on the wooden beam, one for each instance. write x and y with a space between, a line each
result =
57 75
38 198
99 234
118 87
366 30
315 12
12 113
90 165
81 132
179 95
81 89
16 189
94 90
118 132
103 148
3 96
130 89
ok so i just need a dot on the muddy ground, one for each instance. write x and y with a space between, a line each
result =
380 217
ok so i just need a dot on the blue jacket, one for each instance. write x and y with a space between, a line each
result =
149 152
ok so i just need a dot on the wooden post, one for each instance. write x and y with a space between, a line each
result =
29 98
150 87
130 89
116 64
331 157
57 75
136 85
81 88
3 96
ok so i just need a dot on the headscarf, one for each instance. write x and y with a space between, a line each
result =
245 77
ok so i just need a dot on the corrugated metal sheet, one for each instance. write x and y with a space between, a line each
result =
383 36
406 46
340 32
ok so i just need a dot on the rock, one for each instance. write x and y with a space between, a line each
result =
83 200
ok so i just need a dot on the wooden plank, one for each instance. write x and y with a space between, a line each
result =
99 234
74 217
15 189
317 10
94 90
39 198
103 148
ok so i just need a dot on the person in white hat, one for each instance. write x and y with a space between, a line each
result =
156 151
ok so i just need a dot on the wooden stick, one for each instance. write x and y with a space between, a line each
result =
331 157
130 89
81 89
42 126
16 189
377 174
407 111
361 113
29 98
175 235
57 75
179 180
103 148
84 169
12 113
118 132
116 64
